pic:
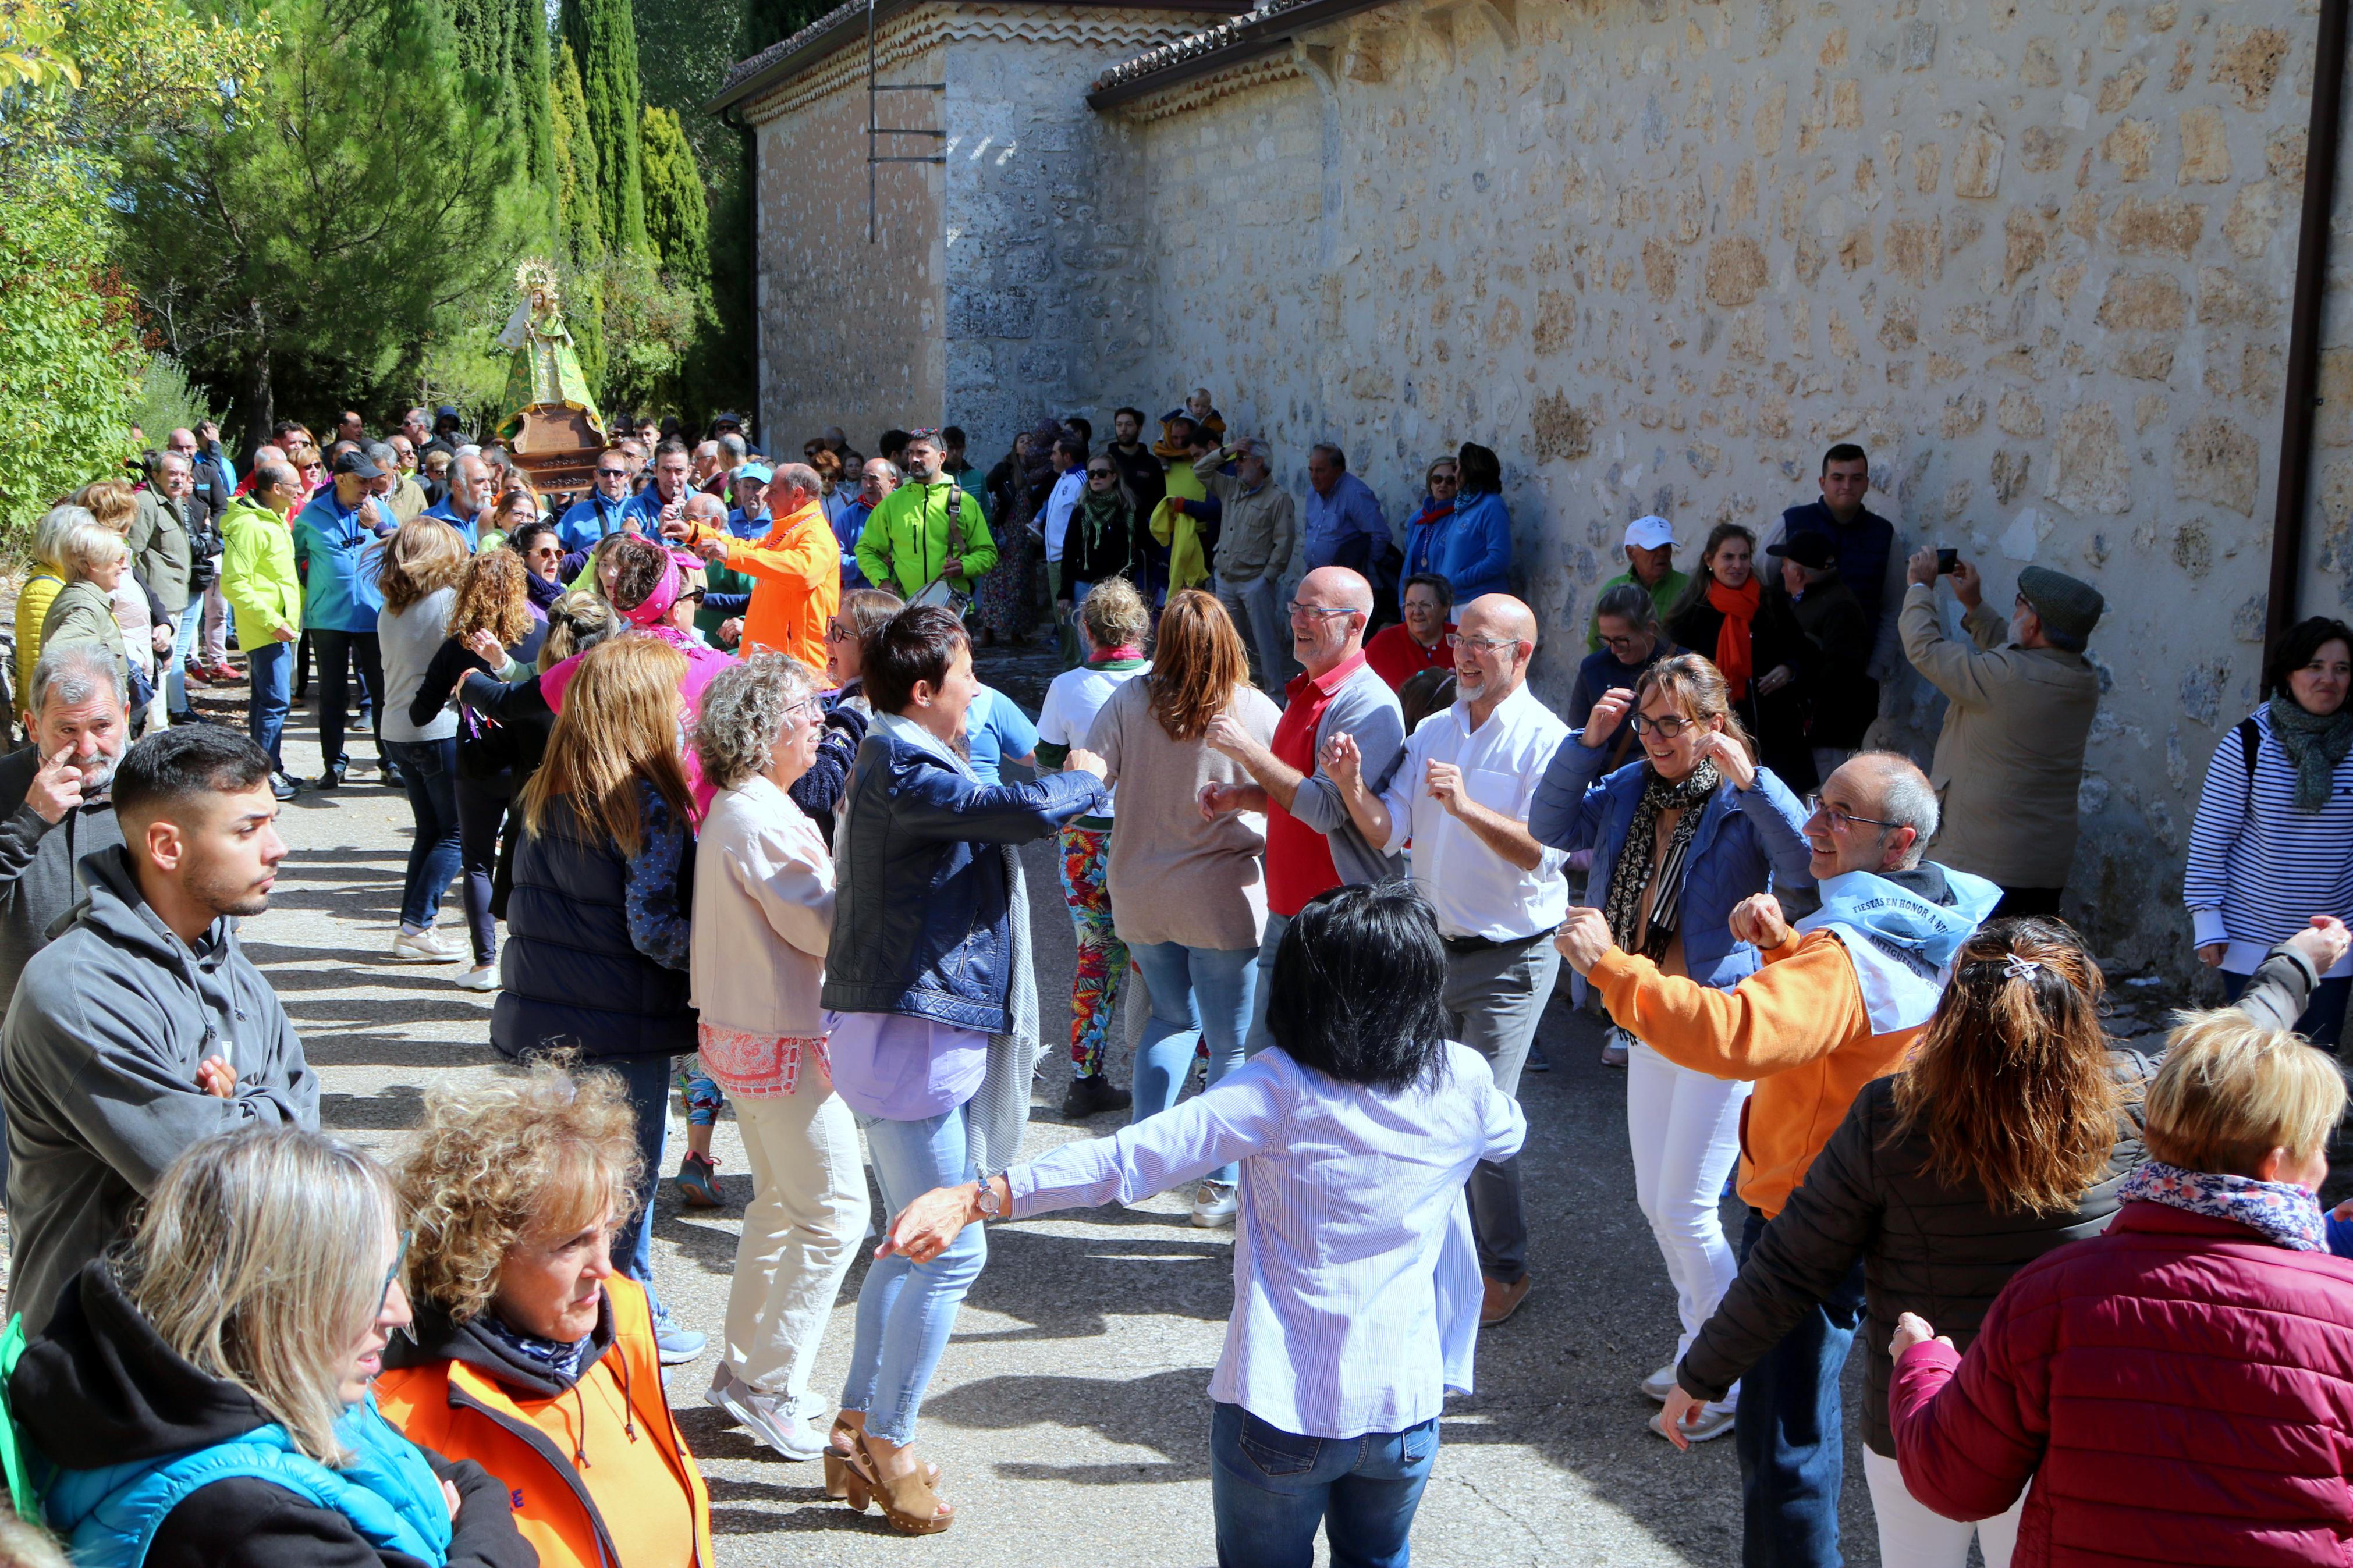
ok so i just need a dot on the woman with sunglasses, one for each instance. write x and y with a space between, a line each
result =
1105 539
1426 530
205 1392
1680 835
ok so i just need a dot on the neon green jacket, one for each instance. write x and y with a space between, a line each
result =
907 538
257 574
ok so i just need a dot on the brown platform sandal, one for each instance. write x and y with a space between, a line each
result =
838 1475
908 1502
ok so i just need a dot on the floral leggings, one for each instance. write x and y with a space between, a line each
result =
1103 957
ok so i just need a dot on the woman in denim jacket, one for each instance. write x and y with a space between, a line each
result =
1680 836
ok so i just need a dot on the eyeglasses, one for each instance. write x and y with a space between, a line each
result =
835 632
400 1255
1839 820
612 473
1617 645
1298 609
1480 645
1667 726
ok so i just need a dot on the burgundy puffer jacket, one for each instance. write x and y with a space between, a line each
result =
2178 1390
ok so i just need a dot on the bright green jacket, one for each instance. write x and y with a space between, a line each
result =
257 574
907 538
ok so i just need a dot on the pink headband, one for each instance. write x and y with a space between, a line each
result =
655 607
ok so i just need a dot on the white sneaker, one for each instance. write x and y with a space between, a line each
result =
1213 1204
1659 1384
770 1417
486 978
427 945
1715 1421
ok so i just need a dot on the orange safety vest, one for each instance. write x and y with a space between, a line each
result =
461 1413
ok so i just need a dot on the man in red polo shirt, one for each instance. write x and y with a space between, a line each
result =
1399 653
1312 844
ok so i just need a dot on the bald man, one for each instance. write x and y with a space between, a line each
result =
1460 800
1841 997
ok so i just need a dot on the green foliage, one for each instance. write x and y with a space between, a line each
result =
359 194
603 40
722 370
580 228
767 21
69 357
677 220
685 49
166 400
528 67
649 323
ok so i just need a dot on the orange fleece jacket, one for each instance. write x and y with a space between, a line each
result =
796 586
1796 1029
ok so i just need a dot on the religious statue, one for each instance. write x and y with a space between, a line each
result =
546 371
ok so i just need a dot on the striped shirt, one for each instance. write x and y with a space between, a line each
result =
2259 867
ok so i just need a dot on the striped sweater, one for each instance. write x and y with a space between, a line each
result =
2258 866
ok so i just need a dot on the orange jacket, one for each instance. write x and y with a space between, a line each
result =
627 1506
1796 1029
796 572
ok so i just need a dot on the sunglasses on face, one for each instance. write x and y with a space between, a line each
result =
1099 473
612 473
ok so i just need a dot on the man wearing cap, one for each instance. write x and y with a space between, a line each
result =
338 540
600 511
2010 759
928 528
795 566
1649 560
1841 696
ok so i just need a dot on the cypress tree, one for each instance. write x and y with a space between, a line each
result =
527 64
677 217
603 37
579 218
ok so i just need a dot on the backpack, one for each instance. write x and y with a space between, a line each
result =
15 1464
2250 736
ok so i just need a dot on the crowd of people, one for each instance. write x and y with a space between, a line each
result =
709 739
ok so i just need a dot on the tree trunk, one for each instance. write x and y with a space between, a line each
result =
260 410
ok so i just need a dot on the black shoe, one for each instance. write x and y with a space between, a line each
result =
189 717
393 777
1094 1096
332 779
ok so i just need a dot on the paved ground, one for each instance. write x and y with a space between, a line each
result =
1071 1413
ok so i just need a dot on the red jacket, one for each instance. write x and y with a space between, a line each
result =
2178 1391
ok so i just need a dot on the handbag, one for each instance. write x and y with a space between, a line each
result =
938 590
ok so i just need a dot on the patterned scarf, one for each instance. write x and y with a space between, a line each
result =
562 1360
1631 876
2283 1212
2316 743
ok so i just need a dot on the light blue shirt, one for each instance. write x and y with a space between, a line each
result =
1334 521
994 728
586 522
1356 1287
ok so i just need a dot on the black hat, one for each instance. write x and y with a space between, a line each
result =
356 462
1809 550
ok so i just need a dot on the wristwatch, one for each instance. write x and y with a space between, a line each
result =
986 1201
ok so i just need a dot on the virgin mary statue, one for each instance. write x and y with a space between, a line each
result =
546 371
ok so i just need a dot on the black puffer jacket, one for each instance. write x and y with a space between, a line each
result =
1926 1245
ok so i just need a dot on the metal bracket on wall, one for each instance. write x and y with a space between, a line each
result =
876 131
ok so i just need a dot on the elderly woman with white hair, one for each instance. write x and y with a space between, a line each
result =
764 893
205 1392
93 558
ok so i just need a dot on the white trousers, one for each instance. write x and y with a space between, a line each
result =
801 1230
1684 1128
1913 1535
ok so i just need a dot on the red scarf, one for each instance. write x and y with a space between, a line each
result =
1732 655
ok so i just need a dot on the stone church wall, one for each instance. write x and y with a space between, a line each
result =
1661 253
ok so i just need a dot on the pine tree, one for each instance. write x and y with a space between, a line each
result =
604 41
527 66
678 218
579 221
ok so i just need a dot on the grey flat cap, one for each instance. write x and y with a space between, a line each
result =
2065 604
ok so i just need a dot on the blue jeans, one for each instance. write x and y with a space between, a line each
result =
1790 1432
1197 993
1270 1489
907 1310
265 714
483 806
647 1080
184 643
2324 1012
428 768
1260 1036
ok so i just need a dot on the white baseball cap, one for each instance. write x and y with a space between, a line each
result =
1648 534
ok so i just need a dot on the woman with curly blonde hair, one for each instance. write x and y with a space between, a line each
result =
492 630
530 1354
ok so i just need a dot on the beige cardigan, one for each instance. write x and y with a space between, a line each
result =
2010 760
763 914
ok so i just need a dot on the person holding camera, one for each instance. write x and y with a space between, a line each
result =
2009 758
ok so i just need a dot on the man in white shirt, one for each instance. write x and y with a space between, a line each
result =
1070 458
1460 800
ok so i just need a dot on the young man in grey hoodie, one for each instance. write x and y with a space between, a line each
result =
142 1026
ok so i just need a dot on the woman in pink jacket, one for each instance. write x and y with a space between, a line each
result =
2178 1389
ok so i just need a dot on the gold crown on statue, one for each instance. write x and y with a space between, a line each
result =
536 276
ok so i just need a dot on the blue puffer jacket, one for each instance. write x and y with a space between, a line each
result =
1474 555
583 926
919 922
1746 841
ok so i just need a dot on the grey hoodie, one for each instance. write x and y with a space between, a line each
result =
98 1072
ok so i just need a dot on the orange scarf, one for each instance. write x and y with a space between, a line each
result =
1732 655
